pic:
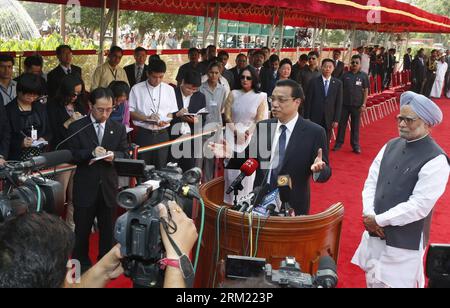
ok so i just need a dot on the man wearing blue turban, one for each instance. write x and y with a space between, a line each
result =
405 181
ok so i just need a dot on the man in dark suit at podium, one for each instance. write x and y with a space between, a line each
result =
96 183
299 145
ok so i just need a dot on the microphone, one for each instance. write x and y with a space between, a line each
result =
46 160
326 276
76 133
247 169
284 184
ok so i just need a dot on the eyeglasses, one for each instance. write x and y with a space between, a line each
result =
249 78
279 99
354 62
407 120
75 94
103 110
312 58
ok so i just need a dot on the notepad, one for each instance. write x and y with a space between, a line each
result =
39 143
200 112
100 158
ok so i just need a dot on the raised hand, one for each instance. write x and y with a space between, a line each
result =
319 164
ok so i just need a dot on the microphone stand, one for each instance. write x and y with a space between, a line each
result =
236 191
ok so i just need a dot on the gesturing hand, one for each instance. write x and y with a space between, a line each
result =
221 150
319 164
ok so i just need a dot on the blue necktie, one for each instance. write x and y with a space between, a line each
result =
326 88
278 160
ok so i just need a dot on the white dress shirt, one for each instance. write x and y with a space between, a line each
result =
9 93
66 69
148 100
185 129
289 129
396 267
96 125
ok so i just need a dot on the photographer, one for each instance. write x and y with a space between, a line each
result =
34 249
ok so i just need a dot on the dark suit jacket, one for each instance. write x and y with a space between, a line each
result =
237 82
339 70
407 61
318 107
129 69
100 175
198 101
267 80
304 143
55 77
4 131
418 69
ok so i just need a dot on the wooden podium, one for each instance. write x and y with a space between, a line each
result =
307 238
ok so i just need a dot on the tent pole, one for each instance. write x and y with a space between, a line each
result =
63 22
271 30
216 24
352 44
116 12
322 36
102 34
281 27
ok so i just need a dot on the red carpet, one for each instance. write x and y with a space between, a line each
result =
349 174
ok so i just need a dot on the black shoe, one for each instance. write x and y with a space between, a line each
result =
337 147
357 150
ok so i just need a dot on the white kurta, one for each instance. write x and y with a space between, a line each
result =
396 267
439 83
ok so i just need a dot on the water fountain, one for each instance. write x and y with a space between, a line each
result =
15 23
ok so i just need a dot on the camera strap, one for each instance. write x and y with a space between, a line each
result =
185 264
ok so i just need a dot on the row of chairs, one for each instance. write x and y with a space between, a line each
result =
382 103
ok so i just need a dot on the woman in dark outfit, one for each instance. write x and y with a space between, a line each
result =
69 105
26 116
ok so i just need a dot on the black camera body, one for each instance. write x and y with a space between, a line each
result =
20 195
138 230
289 274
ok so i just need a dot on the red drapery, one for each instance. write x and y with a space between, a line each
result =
333 14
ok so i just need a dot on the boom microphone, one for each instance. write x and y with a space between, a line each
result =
76 133
46 160
247 169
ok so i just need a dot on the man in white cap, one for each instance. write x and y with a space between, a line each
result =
405 181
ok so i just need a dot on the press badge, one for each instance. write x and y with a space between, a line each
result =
34 133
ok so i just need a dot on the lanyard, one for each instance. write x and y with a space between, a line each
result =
114 73
10 91
152 100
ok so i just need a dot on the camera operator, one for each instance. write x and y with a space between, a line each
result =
34 249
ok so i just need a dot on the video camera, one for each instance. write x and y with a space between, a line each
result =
138 230
289 275
23 192
438 266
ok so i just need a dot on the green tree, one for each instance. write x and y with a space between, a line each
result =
150 22
89 21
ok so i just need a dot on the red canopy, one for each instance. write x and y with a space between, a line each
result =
393 16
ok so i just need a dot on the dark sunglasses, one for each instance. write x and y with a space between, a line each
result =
75 94
312 58
249 78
